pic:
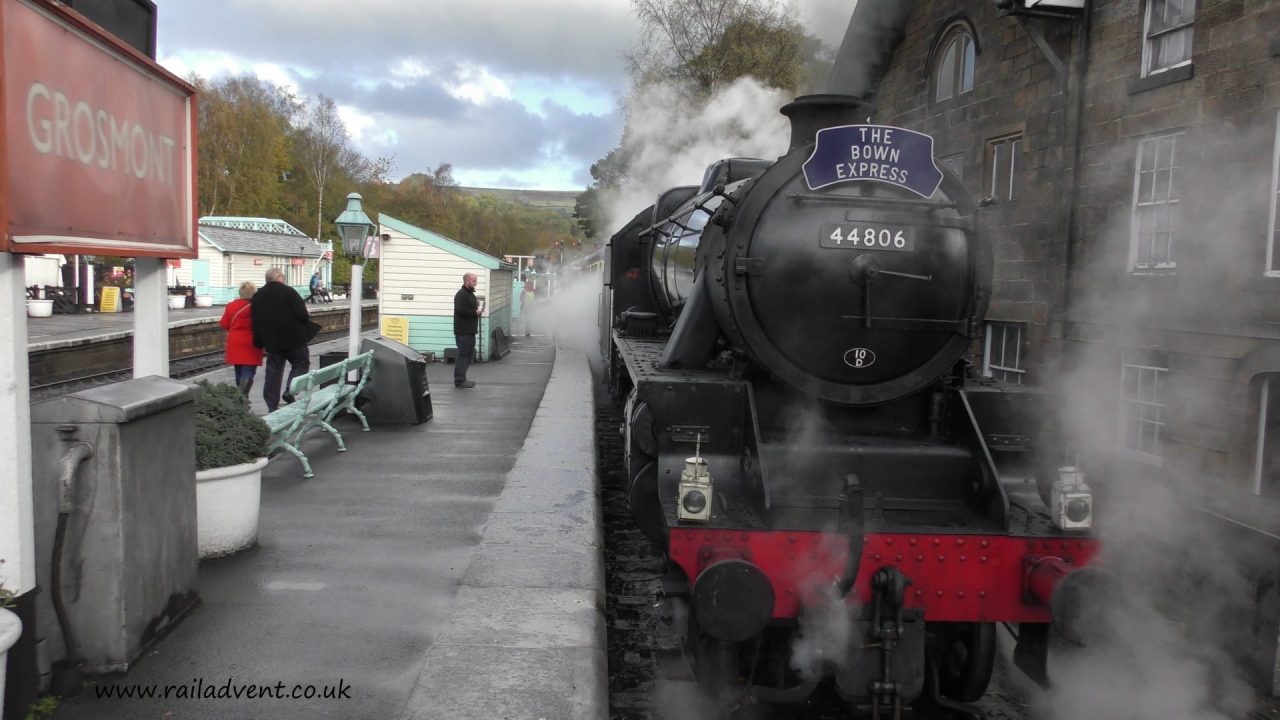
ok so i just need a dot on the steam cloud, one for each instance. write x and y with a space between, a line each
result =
1175 642
672 143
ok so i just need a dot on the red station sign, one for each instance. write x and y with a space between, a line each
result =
97 142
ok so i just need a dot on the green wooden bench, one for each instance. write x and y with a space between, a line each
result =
316 405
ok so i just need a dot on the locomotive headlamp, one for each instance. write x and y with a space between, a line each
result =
695 488
694 502
1071 501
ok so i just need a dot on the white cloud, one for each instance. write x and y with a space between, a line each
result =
410 69
477 85
277 75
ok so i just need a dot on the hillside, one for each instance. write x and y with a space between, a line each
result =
560 201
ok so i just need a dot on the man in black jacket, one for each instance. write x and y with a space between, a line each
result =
466 322
282 327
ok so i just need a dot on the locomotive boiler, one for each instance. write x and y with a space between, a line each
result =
789 338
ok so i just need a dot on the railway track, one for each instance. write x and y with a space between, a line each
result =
179 368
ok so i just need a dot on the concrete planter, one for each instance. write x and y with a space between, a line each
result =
10 631
204 301
177 302
227 502
39 308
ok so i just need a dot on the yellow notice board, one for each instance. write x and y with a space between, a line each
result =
396 327
110 301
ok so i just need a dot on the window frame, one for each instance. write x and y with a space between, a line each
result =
1272 267
1160 377
967 52
1018 368
992 165
1150 37
1172 199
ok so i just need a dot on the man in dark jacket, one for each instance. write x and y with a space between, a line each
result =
282 327
466 322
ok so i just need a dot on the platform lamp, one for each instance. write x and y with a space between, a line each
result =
354 226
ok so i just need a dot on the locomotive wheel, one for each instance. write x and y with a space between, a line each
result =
646 509
966 657
715 668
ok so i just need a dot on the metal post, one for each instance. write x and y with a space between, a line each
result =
17 534
150 318
357 297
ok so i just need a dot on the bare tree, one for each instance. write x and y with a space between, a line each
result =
323 144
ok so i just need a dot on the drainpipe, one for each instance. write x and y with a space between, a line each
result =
1080 70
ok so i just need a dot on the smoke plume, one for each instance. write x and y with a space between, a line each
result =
671 143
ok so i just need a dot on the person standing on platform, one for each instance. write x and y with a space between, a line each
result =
283 327
241 352
467 310
527 300
315 288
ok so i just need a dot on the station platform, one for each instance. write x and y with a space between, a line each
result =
69 330
445 570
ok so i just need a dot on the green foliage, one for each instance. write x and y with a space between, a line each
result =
755 45
707 44
6 597
227 431
43 708
245 145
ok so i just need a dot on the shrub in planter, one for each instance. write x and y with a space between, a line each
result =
231 448
227 431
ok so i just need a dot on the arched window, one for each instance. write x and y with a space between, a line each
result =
953 66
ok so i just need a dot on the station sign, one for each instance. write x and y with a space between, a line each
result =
97 141
878 153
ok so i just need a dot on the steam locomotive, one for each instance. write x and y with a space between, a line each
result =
801 438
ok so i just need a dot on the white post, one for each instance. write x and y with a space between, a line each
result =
357 296
150 318
17 534
1262 435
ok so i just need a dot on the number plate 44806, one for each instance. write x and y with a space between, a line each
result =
862 236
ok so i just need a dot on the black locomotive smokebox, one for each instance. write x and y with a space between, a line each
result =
811 113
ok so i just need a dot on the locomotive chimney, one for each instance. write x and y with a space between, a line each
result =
811 113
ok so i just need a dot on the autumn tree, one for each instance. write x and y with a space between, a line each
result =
706 44
244 125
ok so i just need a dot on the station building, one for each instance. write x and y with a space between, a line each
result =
1126 155
236 249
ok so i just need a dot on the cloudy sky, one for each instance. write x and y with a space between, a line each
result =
513 93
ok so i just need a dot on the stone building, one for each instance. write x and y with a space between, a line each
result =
1127 154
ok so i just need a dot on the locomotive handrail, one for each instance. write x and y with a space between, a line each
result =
909 324
947 205
700 205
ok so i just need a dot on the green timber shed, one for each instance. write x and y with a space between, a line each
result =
419 271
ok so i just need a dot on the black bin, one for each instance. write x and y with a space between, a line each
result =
332 357
397 391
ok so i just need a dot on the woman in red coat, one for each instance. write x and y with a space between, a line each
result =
241 353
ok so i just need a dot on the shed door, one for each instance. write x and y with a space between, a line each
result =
200 276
